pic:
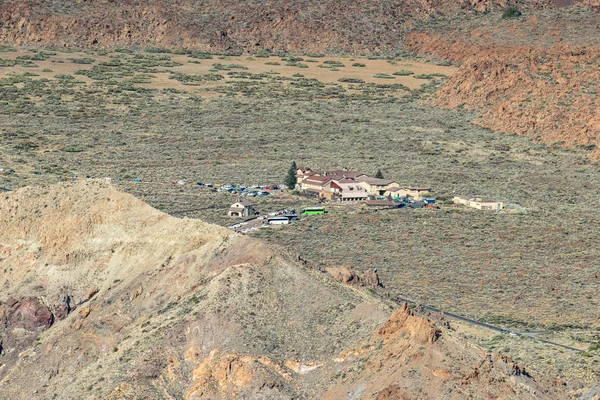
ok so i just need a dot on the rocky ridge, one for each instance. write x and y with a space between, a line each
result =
413 359
367 27
534 76
105 297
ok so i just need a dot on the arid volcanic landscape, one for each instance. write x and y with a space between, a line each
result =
114 299
390 200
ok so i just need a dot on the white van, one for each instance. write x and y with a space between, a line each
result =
278 220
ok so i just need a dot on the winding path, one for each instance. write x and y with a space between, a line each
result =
493 327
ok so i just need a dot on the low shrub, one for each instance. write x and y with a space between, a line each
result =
384 76
156 50
223 67
41 56
195 80
511 12
201 56
351 80
83 60
64 77
333 63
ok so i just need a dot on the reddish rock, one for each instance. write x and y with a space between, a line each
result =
351 277
91 292
29 314
280 25
538 88
404 322
370 278
63 307
393 392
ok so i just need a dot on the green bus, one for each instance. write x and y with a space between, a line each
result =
313 211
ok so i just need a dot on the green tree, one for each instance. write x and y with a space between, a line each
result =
379 175
291 179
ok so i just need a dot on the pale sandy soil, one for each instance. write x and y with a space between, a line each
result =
254 65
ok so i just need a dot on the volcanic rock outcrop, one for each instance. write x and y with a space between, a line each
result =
410 358
533 76
229 26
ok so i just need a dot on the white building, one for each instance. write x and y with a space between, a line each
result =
479 203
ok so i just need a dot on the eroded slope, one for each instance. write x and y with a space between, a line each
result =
129 294
105 297
535 75
227 25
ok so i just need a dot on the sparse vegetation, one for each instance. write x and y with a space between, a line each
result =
188 79
463 240
137 114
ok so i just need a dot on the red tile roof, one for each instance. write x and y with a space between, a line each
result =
244 203
318 179
374 181
344 180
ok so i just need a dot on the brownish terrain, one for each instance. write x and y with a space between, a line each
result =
105 297
368 27
533 75
536 75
